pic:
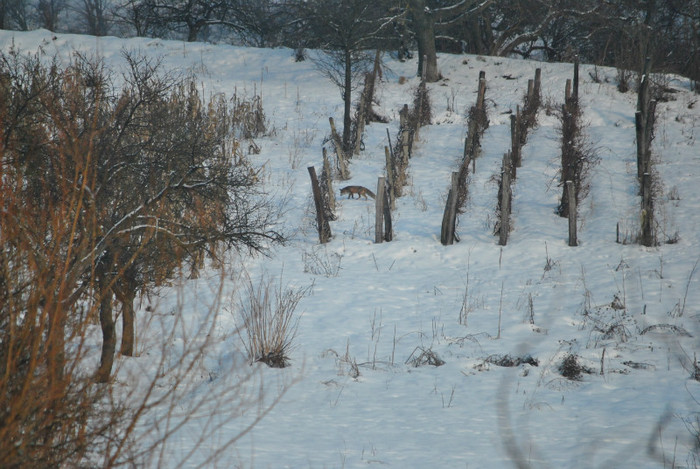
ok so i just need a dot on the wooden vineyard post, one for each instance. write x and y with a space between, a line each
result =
324 229
639 129
390 178
648 238
329 181
382 218
342 160
386 209
571 190
405 134
482 91
449 218
360 125
515 141
504 226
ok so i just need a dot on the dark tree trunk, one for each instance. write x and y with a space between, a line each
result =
109 340
125 292
424 27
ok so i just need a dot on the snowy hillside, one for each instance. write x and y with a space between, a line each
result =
356 398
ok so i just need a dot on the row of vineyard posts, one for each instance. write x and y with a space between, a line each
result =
521 123
572 157
575 159
397 157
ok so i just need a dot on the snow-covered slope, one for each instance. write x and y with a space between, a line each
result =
380 305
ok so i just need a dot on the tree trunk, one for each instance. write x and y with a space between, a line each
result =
424 28
109 340
125 292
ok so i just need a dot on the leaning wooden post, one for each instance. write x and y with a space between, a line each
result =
342 160
515 141
519 125
449 220
360 128
379 211
390 177
648 131
647 212
388 229
505 203
324 229
482 91
538 81
405 134
639 132
329 180
571 190
445 227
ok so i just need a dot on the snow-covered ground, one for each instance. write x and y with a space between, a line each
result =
380 305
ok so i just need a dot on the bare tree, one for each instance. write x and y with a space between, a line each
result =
93 185
427 17
191 17
343 30
14 14
94 15
48 11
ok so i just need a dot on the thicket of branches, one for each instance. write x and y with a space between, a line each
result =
105 192
618 33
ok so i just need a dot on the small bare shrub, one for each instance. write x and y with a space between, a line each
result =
319 261
422 356
571 368
510 361
269 321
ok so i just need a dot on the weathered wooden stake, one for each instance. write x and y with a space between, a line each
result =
648 238
340 152
379 212
515 141
482 91
639 132
329 178
571 190
390 178
505 206
449 218
361 111
324 229
405 135
382 217
388 229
